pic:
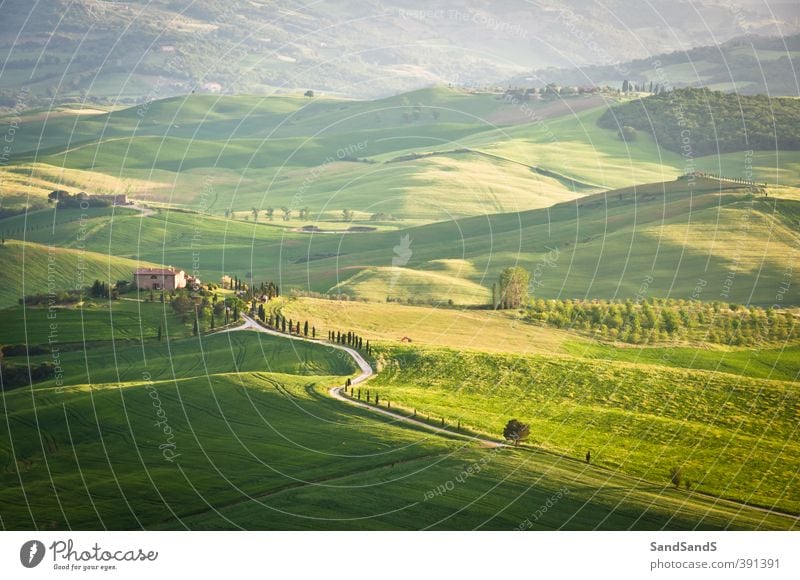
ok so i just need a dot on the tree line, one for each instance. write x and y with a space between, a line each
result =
655 320
696 122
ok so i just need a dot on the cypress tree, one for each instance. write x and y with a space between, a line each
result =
305 328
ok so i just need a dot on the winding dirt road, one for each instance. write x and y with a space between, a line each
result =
366 372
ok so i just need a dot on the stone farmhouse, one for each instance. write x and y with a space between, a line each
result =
160 278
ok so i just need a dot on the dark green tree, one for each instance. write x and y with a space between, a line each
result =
516 431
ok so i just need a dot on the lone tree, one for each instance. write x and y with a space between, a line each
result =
513 287
676 476
516 431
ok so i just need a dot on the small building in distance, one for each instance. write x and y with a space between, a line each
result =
159 278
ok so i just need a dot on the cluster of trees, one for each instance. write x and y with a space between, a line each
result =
550 91
59 297
287 325
22 375
65 199
382 217
665 319
100 289
698 122
234 283
205 308
419 301
415 114
269 289
511 290
349 338
642 87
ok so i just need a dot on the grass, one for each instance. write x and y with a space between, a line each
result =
770 361
289 151
196 356
404 284
261 450
33 268
262 445
665 236
93 321
483 330
733 436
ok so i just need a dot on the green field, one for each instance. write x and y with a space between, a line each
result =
666 236
119 320
733 436
457 186
458 154
36 268
267 450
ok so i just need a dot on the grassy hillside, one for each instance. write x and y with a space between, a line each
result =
660 238
196 356
407 285
428 155
235 153
95 321
507 332
36 269
258 450
732 436
484 330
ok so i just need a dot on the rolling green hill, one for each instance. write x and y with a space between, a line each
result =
261 450
732 436
37 269
429 155
659 239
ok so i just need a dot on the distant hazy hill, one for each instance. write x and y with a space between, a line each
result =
747 64
152 49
